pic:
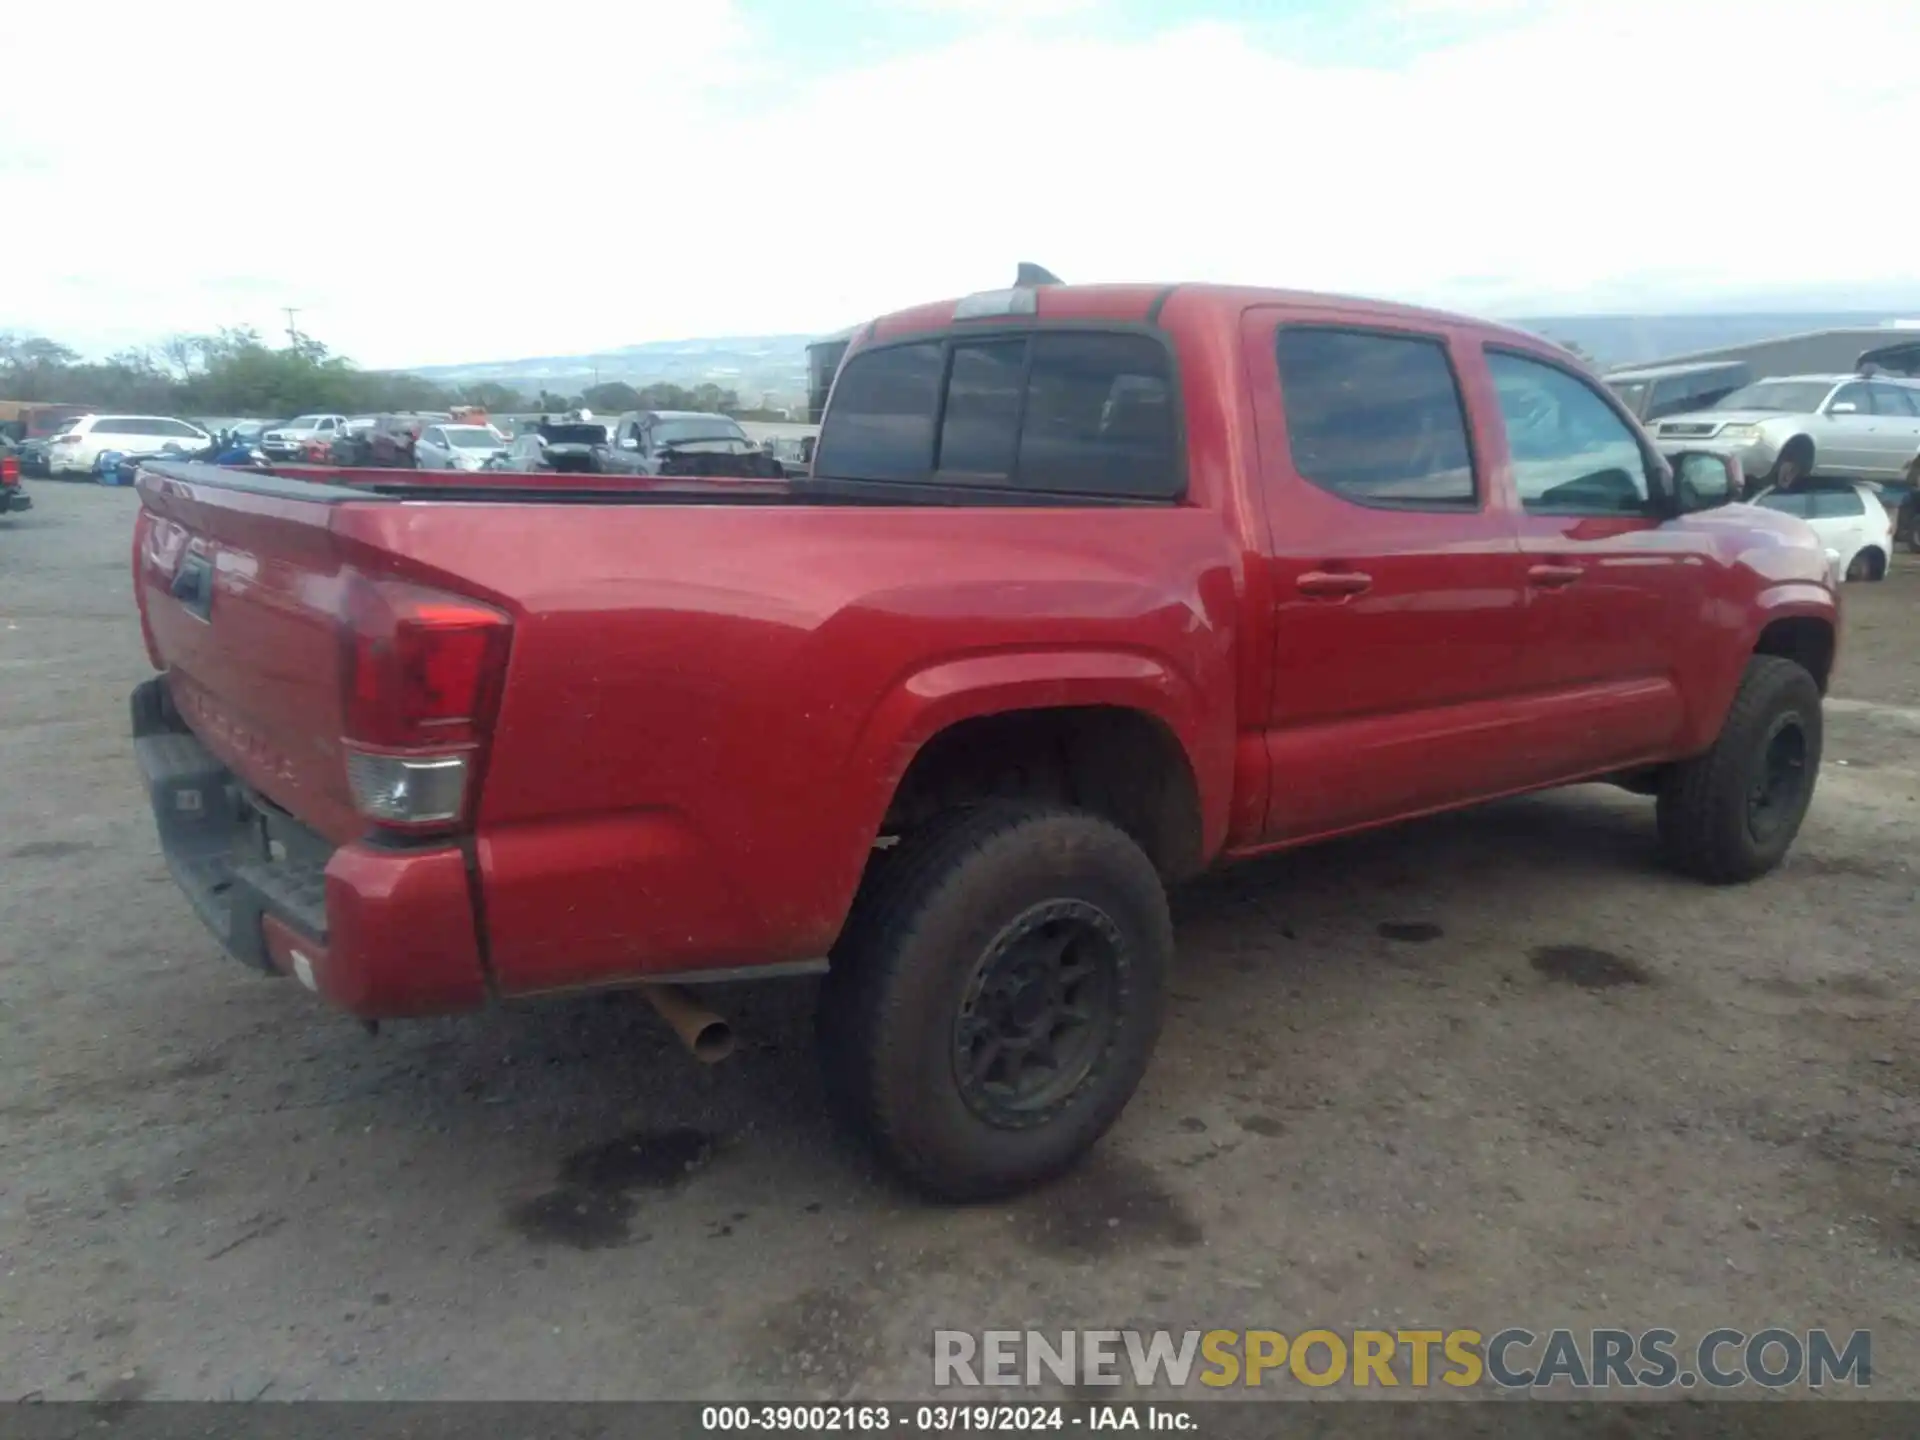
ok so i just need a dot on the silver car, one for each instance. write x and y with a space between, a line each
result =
1783 429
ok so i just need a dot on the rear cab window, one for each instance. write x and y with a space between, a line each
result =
1065 412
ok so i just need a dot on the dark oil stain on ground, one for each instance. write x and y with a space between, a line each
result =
1587 967
48 849
1265 1126
593 1206
1108 1206
1411 932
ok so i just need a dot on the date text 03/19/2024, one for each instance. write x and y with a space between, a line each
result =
939 1419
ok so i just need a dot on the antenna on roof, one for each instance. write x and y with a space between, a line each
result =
1032 274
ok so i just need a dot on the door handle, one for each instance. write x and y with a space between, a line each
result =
1334 583
1554 577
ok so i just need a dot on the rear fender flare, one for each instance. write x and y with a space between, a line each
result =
945 692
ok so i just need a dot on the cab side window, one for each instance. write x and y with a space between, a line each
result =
1572 453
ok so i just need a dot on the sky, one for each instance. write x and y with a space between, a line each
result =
515 182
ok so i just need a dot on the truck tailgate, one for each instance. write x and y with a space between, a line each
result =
240 593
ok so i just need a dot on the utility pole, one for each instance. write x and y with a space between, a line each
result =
293 332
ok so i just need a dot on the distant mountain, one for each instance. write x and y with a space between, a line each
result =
749 364
754 365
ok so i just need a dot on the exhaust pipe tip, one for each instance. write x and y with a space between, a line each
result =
712 1042
708 1037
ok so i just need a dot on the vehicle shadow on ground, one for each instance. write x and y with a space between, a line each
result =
584 1072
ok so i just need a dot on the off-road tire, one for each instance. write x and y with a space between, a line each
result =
1706 825
929 913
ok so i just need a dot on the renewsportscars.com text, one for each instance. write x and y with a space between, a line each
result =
1510 1359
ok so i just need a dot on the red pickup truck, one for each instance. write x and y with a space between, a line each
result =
1090 589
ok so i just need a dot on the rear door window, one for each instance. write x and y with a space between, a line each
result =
1375 418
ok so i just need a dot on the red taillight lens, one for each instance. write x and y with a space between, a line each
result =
422 672
9 470
423 668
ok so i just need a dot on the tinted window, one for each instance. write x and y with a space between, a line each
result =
1854 395
1893 400
1837 504
1789 502
1375 418
1572 454
1793 397
176 427
1099 417
1633 394
982 418
117 426
879 424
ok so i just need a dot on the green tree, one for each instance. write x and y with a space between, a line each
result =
492 396
613 397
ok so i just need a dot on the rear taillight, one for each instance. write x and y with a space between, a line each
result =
9 470
422 676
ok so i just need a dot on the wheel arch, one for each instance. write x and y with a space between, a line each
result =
1123 734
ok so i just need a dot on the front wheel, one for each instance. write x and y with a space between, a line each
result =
996 995
1731 814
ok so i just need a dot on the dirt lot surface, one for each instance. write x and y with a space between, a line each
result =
1492 1069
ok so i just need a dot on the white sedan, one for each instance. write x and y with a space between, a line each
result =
457 447
1849 519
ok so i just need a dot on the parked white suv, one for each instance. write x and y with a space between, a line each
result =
1784 429
75 448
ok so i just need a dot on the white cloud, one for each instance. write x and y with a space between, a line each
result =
537 192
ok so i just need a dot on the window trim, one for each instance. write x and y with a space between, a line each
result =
930 488
1660 492
1474 504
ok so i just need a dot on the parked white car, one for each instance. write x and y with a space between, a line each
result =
1849 519
75 448
285 442
457 447
1786 428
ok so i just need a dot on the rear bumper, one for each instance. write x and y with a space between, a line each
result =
13 498
378 932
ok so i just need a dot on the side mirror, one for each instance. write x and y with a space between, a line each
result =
1704 480
1843 407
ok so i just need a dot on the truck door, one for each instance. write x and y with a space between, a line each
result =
1394 572
1614 585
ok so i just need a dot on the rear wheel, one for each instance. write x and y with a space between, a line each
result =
1869 564
996 995
1731 814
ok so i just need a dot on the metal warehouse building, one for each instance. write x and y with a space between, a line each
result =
1893 347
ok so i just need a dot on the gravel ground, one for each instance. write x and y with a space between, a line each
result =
1492 1069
